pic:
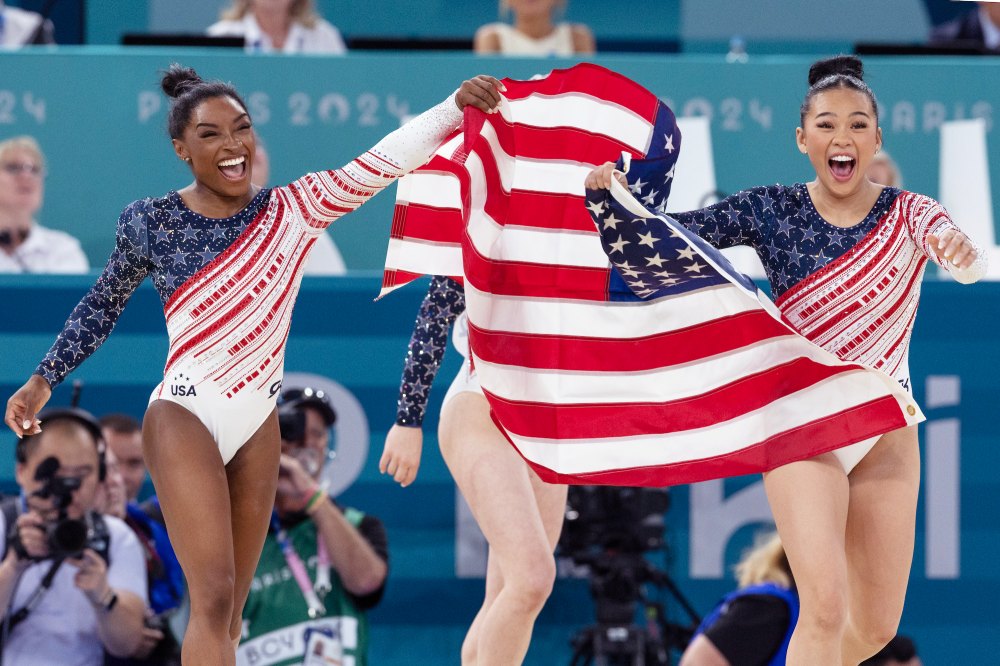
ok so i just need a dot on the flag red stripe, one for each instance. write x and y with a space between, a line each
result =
514 278
588 79
589 421
559 352
849 426
427 223
557 143
546 210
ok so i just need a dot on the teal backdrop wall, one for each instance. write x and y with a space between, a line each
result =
339 334
100 118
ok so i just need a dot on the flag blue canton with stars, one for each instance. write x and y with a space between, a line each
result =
654 255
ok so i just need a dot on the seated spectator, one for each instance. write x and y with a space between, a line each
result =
66 600
325 258
534 31
979 27
901 651
165 580
319 608
285 26
883 170
753 625
25 245
21 28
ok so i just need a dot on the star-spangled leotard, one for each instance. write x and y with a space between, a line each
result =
853 291
228 285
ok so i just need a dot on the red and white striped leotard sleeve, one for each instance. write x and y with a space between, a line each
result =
325 196
927 217
862 306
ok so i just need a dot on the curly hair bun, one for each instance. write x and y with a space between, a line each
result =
842 64
177 80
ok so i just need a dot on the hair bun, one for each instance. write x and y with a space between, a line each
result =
847 65
177 79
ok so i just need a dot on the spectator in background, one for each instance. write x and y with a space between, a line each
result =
979 27
753 625
901 651
325 259
61 608
284 26
884 171
319 608
534 32
21 28
165 580
25 245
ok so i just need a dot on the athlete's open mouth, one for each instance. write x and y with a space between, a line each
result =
842 166
234 169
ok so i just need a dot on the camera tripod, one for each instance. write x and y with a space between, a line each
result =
616 640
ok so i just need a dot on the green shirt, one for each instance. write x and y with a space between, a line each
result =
276 618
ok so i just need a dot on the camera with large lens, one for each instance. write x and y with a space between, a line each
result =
66 537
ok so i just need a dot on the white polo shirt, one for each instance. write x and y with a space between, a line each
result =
45 251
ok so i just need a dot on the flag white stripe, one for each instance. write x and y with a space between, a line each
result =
572 456
430 188
580 111
673 382
600 319
424 257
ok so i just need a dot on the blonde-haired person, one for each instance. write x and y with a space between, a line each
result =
884 171
283 26
25 245
753 625
534 31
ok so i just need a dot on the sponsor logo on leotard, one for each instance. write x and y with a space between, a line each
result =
275 387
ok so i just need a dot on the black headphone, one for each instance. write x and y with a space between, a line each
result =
77 415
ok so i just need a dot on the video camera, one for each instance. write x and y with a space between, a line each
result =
609 530
66 537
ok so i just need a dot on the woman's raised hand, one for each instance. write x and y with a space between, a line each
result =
482 92
600 178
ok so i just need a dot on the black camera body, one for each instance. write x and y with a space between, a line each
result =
292 424
66 537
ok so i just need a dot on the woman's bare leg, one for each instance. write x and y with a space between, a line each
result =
551 502
881 523
498 487
253 478
494 583
809 500
193 490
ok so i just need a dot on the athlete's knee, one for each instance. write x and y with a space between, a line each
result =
533 586
212 596
469 650
876 632
824 608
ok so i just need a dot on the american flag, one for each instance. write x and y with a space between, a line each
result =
659 369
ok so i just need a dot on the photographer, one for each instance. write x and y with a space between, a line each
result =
72 582
323 566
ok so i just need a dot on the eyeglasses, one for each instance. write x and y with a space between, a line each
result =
15 168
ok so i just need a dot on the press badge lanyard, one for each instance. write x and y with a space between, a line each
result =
309 592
